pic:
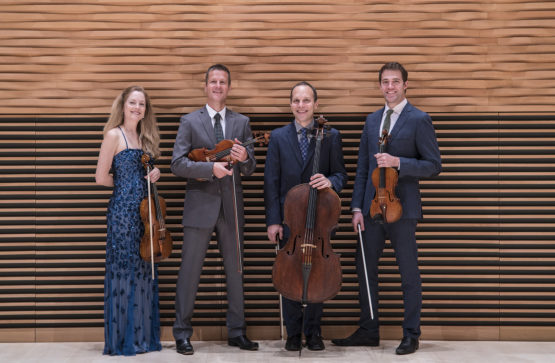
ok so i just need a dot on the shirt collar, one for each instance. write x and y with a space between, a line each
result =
399 108
298 127
212 112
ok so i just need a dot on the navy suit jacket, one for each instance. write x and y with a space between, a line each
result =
413 140
285 168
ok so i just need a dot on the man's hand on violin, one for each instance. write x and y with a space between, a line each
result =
274 231
238 151
385 160
319 181
219 169
154 175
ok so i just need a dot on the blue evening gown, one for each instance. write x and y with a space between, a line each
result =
131 311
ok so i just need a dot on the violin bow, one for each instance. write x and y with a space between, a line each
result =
281 335
365 271
239 258
150 221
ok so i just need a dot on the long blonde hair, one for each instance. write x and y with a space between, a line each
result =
147 128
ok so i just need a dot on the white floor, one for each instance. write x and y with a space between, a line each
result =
272 351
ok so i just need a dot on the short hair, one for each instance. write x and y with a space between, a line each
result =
394 66
217 67
304 83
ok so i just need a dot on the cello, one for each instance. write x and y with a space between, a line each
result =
306 269
385 207
156 243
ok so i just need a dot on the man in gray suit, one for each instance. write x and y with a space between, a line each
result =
210 206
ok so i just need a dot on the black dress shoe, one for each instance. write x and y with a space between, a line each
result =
315 342
183 346
293 343
408 345
358 338
242 342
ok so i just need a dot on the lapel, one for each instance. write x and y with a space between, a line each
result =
229 125
375 134
402 120
207 124
293 141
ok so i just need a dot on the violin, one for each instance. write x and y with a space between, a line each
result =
156 243
306 268
385 207
222 149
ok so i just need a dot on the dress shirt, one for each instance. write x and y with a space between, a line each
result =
394 116
309 129
212 113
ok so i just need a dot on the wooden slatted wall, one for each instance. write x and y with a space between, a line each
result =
487 249
484 68
60 57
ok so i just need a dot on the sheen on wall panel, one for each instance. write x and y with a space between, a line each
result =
462 56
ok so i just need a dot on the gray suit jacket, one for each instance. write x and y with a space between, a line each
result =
205 194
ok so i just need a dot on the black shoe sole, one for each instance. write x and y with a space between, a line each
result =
184 352
231 344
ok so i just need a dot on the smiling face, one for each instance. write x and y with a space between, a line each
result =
216 89
393 87
303 105
134 106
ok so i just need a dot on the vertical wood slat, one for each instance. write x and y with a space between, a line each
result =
486 243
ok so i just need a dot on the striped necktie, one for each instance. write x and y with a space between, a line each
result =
218 130
303 143
387 121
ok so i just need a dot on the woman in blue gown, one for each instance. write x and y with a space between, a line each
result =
131 312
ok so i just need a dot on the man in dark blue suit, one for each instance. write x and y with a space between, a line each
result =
288 163
413 151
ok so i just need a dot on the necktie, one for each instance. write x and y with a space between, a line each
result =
387 121
218 131
303 143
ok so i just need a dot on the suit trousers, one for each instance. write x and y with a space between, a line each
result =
195 245
402 235
293 311
293 317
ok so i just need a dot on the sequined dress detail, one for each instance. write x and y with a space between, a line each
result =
131 311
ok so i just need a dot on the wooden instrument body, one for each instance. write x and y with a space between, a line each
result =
325 276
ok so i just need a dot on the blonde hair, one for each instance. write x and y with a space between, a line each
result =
147 128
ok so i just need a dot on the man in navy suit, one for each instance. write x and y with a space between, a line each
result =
289 163
413 151
209 206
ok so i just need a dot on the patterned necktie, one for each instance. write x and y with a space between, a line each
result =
218 131
303 143
387 121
